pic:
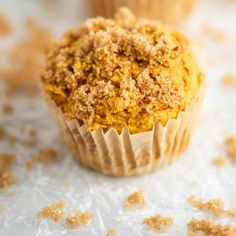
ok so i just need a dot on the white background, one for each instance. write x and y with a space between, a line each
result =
166 191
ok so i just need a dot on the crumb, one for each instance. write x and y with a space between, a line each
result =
7 108
11 139
209 228
33 137
6 160
231 148
45 156
29 165
231 213
80 218
219 161
6 179
215 33
229 80
3 207
5 26
2 132
53 211
26 60
111 232
158 222
214 206
136 199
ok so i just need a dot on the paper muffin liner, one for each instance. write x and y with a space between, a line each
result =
168 11
129 154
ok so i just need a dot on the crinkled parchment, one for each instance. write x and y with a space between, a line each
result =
166 191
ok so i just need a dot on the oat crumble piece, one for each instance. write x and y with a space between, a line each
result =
111 232
219 161
231 213
214 206
159 223
7 108
6 179
135 200
231 148
209 228
53 211
78 219
229 80
5 26
6 160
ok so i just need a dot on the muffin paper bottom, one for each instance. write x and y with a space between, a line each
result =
129 154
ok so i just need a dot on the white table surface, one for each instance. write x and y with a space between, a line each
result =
166 191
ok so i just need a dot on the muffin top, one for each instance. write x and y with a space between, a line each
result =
122 72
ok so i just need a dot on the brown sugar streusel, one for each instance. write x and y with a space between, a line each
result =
209 228
78 219
53 211
111 232
159 223
135 200
231 148
219 161
229 80
5 26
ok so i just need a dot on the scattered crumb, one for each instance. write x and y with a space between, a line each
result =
2 132
5 26
26 59
78 219
215 33
11 139
7 108
231 148
231 213
219 161
45 156
53 211
214 206
65 184
29 165
33 137
158 222
229 80
6 160
3 207
111 232
136 199
6 179
209 228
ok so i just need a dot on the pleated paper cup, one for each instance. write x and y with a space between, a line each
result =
167 11
127 154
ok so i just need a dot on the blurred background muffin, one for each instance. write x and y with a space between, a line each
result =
168 11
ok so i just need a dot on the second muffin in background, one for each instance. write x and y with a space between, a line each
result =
167 11
126 93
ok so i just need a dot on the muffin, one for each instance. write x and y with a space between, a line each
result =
168 11
125 91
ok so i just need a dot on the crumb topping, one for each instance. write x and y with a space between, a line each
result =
45 156
122 72
219 161
6 160
209 228
230 80
6 179
159 223
80 218
5 26
231 148
7 108
214 206
111 232
136 199
33 137
53 212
